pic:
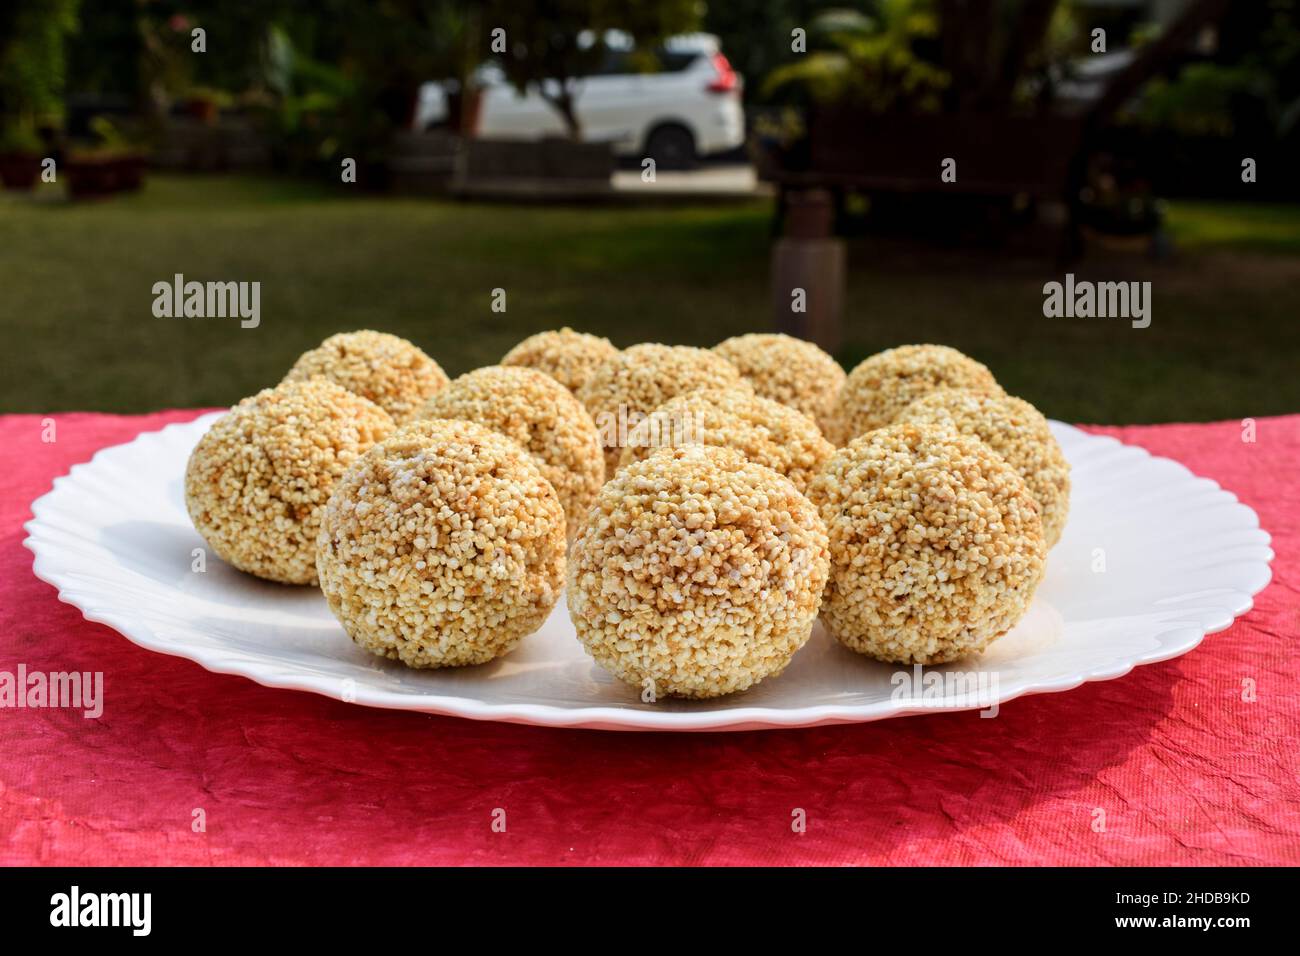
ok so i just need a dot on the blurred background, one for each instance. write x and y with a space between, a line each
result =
669 171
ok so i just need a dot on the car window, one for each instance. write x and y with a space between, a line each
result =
623 62
614 63
674 61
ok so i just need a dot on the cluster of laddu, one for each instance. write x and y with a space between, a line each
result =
909 504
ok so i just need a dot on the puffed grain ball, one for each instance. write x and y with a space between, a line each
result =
257 481
1015 430
764 431
698 574
880 387
542 415
936 544
390 371
567 356
787 370
443 546
632 384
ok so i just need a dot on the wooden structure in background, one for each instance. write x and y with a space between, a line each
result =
999 157
808 268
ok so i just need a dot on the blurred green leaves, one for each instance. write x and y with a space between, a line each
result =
869 61
33 62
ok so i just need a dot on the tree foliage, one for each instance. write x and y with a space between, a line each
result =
551 45
33 62
873 61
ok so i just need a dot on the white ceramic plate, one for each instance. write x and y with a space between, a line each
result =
1181 558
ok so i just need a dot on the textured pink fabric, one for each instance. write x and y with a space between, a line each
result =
1184 769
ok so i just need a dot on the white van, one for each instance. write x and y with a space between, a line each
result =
689 108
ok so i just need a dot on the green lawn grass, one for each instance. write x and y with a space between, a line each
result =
78 331
1266 227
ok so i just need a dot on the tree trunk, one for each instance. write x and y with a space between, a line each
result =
1155 56
564 104
966 41
1028 35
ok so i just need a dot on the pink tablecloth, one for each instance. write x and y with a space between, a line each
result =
1184 769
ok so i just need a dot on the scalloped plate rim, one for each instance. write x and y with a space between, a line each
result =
599 716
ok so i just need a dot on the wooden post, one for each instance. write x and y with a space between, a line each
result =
808 268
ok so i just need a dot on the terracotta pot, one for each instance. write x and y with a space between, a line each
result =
93 176
203 110
130 172
19 170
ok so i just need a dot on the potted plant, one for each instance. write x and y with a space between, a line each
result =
205 103
111 165
20 157
32 73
